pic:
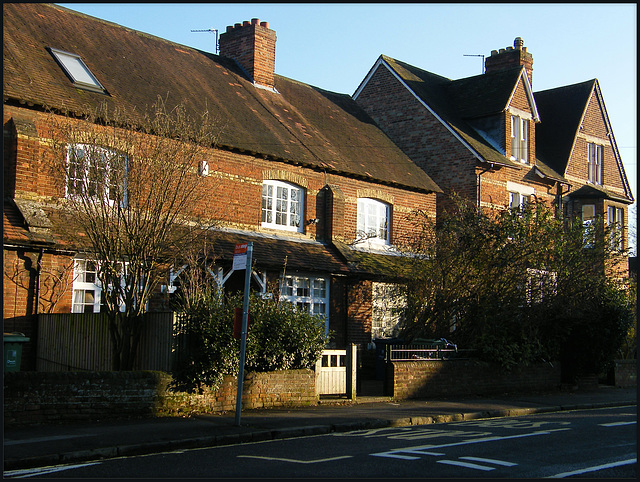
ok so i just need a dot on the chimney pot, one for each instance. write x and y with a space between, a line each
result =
253 49
494 52
229 28
518 43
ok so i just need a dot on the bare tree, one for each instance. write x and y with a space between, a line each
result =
54 281
135 194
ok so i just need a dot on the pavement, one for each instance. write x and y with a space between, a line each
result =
44 445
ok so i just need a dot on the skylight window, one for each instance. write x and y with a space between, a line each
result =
77 71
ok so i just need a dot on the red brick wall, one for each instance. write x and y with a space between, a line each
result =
253 46
434 379
32 398
360 308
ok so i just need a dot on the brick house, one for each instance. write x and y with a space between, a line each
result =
496 142
279 135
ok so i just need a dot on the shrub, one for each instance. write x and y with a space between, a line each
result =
280 337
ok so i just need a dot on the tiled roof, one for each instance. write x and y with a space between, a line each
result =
561 111
275 251
302 124
372 264
458 102
592 191
16 230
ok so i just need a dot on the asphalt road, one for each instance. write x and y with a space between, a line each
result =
599 443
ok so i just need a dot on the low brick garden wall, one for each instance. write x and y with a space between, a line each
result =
626 373
435 378
52 397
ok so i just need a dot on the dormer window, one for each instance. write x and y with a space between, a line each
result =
77 71
520 139
282 205
374 219
96 174
594 163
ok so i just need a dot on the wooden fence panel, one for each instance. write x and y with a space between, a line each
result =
81 341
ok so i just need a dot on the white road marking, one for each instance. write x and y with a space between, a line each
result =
466 464
393 452
490 461
617 424
593 469
296 461
22 473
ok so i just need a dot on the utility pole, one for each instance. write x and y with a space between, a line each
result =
243 250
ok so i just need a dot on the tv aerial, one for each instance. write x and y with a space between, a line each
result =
211 30
476 55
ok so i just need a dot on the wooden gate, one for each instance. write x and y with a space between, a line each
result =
336 372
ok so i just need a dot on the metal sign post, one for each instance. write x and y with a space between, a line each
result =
243 250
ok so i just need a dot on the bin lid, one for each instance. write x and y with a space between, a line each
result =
15 338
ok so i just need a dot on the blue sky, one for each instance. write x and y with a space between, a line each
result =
333 45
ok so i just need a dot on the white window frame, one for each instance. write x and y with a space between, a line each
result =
595 158
519 139
588 225
308 292
615 220
78 184
373 221
540 281
279 211
389 304
77 70
518 200
519 195
82 285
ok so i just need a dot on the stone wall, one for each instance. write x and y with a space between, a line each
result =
435 378
58 397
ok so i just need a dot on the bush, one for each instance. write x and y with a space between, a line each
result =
280 337
518 286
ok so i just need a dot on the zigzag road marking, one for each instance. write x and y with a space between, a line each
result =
22 473
317 461
420 449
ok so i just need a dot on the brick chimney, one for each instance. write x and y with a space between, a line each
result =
510 57
253 46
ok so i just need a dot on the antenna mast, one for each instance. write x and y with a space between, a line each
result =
212 30
477 55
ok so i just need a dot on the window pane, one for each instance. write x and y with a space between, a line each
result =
76 68
287 207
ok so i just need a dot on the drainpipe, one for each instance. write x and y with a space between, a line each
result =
559 195
38 271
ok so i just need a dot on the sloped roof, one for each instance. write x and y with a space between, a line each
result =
303 124
277 251
457 102
371 264
561 110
